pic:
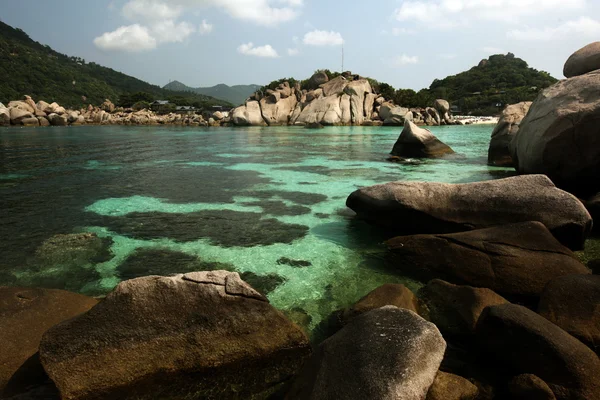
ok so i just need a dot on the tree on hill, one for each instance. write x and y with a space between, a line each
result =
36 70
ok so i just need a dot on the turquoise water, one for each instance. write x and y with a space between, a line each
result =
268 202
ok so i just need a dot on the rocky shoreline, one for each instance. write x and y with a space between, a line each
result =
507 310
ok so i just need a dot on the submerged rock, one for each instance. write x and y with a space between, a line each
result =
505 130
573 303
198 335
25 314
419 143
530 344
294 263
560 136
387 353
518 259
264 284
584 60
430 207
74 250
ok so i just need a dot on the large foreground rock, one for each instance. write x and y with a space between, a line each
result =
584 60
419 143
517 259
387 353
528 343
560 136
455 309
505 130
198 335
573 303
390 294
25 314
429 207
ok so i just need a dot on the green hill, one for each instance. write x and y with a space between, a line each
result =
234 94
495 82
30 68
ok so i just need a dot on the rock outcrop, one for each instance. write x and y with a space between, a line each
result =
387 353
248 114
201 335
560 136
512 260
443 108
584 60
573 303
529 387
530 344
505 130
25 314
317 80
415 142
429 207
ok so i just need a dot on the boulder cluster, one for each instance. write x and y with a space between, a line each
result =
345 100
517 309
31 114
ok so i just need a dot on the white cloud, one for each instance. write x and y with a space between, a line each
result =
205 28
262 51
583 26
170 32
323 38
402 60
152 10
293 52
132 38
440 12
493 50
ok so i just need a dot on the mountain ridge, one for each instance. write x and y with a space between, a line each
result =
235 94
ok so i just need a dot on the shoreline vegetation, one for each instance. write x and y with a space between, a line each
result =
507 310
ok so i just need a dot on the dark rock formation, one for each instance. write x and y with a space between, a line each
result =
505 130
419 143
25 314
451 387
513 260
560 136
389 294
530 344
387 353
529 387
198 335
573 303
455 309
584 60
429 207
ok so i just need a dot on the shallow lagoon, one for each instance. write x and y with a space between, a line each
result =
267 202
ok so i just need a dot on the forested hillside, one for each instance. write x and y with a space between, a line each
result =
236 94
30 68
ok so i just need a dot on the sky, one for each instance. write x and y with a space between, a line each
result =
406 43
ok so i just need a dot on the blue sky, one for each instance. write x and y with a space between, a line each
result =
404 43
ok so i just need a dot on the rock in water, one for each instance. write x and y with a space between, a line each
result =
443 107
387 353
573 303
415 142
198 335
4 116
389 294
517 259
451 387
530 344
560 136
25 314
429 207
455 309
507 128
584 60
